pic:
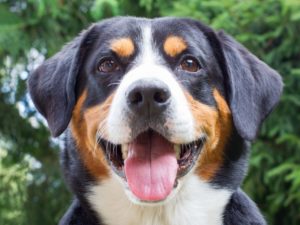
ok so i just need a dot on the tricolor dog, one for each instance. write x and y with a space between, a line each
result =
158 115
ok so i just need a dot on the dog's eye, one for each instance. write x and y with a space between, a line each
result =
190 64
108 66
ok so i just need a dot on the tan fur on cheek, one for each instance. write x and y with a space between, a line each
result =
84 127
123 47
203 115
217 124
174 45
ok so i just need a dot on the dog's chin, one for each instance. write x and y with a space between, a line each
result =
150 168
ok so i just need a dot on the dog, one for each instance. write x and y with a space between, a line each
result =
158 116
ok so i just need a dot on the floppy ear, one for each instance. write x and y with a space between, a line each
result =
254 88
52 85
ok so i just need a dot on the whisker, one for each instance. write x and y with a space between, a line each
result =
114 83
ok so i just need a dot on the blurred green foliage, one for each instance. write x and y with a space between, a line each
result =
31 187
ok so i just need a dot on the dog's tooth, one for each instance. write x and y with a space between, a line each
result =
177 151
124 151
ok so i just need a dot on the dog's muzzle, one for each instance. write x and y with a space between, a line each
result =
151 143
147 106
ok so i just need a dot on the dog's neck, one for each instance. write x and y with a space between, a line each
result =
196 203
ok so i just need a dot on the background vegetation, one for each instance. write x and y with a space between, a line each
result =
31 187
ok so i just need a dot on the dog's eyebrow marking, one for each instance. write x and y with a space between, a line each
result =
123 47
174 45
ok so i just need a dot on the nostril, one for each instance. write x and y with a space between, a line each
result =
161 96
135 97
150 96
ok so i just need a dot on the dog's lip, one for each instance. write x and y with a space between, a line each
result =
187 157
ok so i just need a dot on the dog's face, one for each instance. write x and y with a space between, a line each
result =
152 101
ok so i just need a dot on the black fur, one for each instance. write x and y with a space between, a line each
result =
79 214
242 211
254 87
250 87
52 85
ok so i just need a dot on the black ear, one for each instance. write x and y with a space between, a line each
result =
253 87
52 85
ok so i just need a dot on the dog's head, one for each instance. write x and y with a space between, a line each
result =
154 100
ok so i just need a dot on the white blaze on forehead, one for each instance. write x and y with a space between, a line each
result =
179 119
148 55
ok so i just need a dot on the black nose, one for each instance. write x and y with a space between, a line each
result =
148 96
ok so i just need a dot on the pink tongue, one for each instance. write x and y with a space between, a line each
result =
151 167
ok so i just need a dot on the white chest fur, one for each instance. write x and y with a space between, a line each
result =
196 203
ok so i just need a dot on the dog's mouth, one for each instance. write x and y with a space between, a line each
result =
150 164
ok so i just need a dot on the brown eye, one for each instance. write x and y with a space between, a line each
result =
190 65
108 66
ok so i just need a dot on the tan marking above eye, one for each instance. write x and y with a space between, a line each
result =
174 45
123 47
